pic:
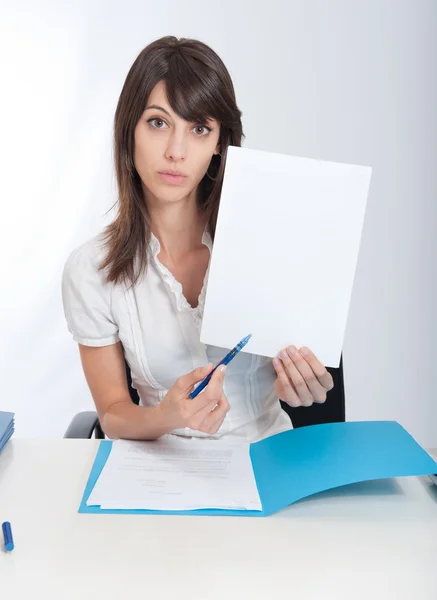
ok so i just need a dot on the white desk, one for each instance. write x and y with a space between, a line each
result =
380 543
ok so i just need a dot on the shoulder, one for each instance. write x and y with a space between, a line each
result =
86 258
82 275
86 297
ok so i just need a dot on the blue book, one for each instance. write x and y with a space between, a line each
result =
7 427
301 462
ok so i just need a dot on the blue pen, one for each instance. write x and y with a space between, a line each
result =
227 359
7 534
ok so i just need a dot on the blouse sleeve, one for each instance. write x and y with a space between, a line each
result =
87 299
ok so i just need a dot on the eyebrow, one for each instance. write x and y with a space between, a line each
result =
156 107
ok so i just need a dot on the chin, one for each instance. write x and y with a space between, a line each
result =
167 193
171 196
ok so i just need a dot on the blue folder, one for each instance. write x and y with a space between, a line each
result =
301 462
7 427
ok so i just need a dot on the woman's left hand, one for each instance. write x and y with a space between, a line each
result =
302 379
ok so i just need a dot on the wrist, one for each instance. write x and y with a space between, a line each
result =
162 418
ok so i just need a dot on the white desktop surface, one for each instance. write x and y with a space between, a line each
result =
372 540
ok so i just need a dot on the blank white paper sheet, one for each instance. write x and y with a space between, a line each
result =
285 253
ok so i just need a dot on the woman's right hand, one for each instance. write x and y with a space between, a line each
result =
206 411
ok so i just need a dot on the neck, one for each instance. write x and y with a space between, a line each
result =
178 226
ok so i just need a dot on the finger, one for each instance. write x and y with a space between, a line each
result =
319 370
296 379
186 383
201 403
214 420
278 388
209 415
210 397
316 389
289 395
214 389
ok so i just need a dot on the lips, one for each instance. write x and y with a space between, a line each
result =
172 177
176 173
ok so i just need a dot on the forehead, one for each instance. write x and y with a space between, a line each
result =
158 97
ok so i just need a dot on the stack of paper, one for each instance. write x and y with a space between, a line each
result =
174 473
6 427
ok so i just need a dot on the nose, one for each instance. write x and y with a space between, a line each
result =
176 148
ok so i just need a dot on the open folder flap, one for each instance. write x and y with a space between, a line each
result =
296 464
301 462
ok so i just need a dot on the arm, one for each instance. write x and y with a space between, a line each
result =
119 417
104 369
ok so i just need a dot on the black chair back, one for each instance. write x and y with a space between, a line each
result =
132 391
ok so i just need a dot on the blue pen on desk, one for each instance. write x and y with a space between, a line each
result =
227 359
7 535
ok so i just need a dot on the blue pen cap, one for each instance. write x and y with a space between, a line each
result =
7 534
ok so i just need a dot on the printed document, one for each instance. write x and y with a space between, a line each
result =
176 473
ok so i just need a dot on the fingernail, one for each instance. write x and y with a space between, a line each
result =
276 361
292 349
304 351
223 368
284 354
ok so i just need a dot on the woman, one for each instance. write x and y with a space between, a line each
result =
137 290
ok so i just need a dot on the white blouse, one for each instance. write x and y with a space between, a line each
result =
160 332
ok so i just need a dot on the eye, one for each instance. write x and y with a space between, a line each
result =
205 128
156 120
200 130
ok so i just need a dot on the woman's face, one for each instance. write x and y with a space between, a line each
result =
165 142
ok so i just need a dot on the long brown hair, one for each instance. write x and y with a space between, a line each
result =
198 86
